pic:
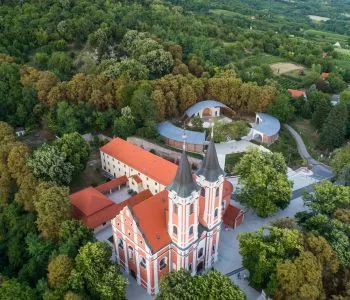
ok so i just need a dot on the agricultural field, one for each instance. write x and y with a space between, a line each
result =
318 18
343 51
324 36
282 68
264 59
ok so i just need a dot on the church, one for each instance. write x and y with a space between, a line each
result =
178 226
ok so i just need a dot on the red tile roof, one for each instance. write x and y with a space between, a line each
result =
112 184
324 75
231 215
136 199
137 178
92 207
296 93
145 162
154 228
227 188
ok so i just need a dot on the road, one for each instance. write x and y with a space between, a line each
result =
320 170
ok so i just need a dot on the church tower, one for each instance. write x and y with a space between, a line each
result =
210 177
183 205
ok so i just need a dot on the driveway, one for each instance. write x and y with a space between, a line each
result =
320 170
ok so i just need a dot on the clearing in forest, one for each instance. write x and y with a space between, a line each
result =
281 68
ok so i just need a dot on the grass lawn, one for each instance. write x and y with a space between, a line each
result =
91 176
310 138
288 147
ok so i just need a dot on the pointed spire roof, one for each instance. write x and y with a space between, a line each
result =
210 168
183 183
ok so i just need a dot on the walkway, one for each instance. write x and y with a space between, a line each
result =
320 170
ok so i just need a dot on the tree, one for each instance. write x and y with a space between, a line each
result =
341 164
159 62
264 249
321 111
10 90
265 184
336 82
213 285
59 270
282 109
197 123
124 126
345 97
334 130
327 198
95 272
26 192
13 289
53 207
5 184
77 150
17 162
61 64
129 69
73 234
299 279
50 164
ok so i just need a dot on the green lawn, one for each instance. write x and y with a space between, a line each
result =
310 137
288 147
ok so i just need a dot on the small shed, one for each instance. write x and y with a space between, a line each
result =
233 216
20 131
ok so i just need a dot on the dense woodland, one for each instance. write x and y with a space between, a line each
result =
119 67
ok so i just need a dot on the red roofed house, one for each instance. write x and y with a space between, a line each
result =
324 75
177 226
297 93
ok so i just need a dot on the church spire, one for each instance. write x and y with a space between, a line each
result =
183 183
210 168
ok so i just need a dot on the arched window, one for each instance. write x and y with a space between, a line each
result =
163 263
217 192
143 262
121 244
203 192
216 212
191 208
174 230
200 252
175 209
190 232
131 253
223 204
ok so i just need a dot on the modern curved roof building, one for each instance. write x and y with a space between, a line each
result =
210 108
265 128
173 136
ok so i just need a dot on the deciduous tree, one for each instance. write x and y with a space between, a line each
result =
265 184
53 207
50 164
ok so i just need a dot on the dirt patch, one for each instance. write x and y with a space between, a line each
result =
91 176
36 138
281 68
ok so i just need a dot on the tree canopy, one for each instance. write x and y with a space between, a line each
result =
265 184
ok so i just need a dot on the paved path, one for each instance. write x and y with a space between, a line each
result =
320 170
